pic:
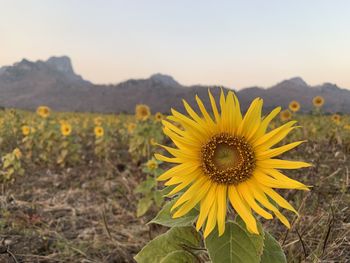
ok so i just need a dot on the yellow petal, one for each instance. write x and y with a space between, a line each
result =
238 114
196 197
265 123
184 177
246 194
204 111
242 210
213 105
282 164
184 154
181 142
211 222
192 113
277 151
277 198
167 159
221 199
206 204
251 120
262 199
273 137
191 191
276 179
178 169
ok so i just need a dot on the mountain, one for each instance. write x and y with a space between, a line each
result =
54 83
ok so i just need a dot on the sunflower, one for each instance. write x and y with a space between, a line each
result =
98 121
294 106
17 152
228 157
142 112
131 127
25 130
66 129
285 115
152 164
99 131
43 111
158 117
318 101
336 118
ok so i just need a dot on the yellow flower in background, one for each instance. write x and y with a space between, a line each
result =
17 152
152 165
142 112
43 111
131 127
228 157
318 101
294 106
285 115
347 127
66 129
336 118
26 130
98 121
99 131
158 117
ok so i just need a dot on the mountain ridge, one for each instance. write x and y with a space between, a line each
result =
54 83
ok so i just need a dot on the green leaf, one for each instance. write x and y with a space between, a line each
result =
166 247
158 198
164 217
258 242
146 186
143 205
235 245
179 256
273 252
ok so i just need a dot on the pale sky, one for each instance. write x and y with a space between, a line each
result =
232 43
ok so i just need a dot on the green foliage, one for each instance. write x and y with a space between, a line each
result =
148 188
11 165
164 217
273 252
176 245
235 245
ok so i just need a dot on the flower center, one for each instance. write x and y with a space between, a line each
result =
228 159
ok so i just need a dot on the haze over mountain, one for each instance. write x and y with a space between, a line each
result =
26 85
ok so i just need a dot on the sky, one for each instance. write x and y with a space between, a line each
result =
232 43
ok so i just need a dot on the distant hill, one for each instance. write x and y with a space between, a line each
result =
27 84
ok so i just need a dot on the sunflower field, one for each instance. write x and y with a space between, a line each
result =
202 185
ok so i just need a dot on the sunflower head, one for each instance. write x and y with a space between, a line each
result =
43 111
99 131
17 152
285 115
131 127
142 112
152 164
294 106
158 117
98 121
318 101
228 157
336 118
25 130
66 129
